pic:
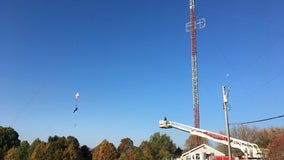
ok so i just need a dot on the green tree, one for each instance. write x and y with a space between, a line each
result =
86 153
22 151
72 149
8 139
33 146
104 150
55 148
40 151
178 152
162 146
61 148
138 154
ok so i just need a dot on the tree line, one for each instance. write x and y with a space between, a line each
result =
158 147
270 140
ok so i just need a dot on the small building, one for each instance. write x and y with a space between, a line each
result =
202 152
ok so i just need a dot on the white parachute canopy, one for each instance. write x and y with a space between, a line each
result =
77 95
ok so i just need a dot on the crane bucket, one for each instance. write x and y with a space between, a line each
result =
164 124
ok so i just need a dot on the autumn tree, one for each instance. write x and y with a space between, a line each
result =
245 133
8 139
146 149
265 136
242 132
126 149
104 150
18 153
262 137
276 148
190 142
57 148
10 154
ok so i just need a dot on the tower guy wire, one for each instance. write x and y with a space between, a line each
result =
261 120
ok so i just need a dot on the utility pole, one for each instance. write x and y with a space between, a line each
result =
225 99
194 71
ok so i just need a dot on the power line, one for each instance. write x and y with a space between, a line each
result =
261 120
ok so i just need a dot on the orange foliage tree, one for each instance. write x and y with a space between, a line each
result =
277 146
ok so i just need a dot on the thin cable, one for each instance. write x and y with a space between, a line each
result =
261 120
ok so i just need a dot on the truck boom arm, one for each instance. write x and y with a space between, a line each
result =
250 150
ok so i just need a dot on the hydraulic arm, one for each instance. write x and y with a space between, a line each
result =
250 150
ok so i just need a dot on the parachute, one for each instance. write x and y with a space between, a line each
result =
77 95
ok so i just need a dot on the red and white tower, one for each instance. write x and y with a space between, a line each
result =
194 70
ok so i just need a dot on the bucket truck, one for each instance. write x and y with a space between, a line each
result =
251 151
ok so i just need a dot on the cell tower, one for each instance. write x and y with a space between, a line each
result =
194 70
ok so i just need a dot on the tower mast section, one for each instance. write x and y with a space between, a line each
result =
194 70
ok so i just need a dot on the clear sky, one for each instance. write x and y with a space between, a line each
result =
130 61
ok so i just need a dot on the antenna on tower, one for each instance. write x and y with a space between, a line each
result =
199 24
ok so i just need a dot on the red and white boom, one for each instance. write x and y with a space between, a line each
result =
250 150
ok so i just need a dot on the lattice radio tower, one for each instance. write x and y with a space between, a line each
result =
194 71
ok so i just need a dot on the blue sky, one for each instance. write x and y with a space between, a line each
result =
130 61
